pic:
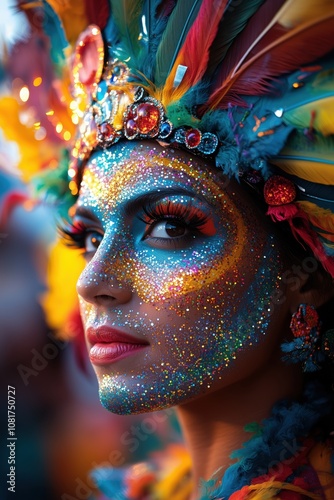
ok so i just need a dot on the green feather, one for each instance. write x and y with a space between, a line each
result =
127 18
51 185
178 26
155 26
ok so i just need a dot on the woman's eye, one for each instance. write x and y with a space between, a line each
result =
175 226
167 229
92 241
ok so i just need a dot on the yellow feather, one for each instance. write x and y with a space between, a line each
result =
73 17
321 218
64 267
301 11
177 482
71 14
309 170
323 121
34 154
270 490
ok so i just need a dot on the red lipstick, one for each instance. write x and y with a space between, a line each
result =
108 345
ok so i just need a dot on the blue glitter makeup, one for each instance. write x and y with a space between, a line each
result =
194 260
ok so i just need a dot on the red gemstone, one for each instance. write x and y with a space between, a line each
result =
279 191
131 128
147 117
304 321
132 114
106 130
193 138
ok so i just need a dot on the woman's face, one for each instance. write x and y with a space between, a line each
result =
176 294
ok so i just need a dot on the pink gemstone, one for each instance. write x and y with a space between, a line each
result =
131 128
148 117
193 138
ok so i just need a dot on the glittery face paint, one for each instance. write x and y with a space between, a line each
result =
189 268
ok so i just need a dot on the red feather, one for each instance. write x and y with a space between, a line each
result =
302 231
11 200
97 12
256 25
285 54
197 44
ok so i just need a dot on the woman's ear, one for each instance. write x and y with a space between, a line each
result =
315 289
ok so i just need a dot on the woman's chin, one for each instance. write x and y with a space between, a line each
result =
130 394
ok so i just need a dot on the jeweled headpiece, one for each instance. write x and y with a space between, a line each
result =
249 85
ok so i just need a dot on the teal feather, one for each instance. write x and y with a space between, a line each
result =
55 32
51 185
153 13
156 14
178 26
198 94
289 422
127 18
233 22
111 35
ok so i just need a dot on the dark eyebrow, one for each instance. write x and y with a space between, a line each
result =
132 206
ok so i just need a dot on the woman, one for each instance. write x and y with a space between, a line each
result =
177 297
191 297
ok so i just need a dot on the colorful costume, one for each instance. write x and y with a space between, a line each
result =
284 459
240 85
248 86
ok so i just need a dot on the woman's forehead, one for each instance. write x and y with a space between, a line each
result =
132 169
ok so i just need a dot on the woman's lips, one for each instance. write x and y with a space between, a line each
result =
109 345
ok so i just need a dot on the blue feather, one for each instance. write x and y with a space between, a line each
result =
287 423
55 32
155 24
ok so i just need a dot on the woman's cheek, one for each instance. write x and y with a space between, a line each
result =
196 337
223 313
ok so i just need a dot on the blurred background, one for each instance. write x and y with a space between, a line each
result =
62 431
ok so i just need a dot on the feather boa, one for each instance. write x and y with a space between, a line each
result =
273 461
281 435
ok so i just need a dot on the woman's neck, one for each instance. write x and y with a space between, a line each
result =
213 425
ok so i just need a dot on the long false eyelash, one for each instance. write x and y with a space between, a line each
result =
72 233
186 214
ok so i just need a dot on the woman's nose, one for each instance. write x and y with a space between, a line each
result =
100 288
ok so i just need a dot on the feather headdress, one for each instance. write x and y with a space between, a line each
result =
249 84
